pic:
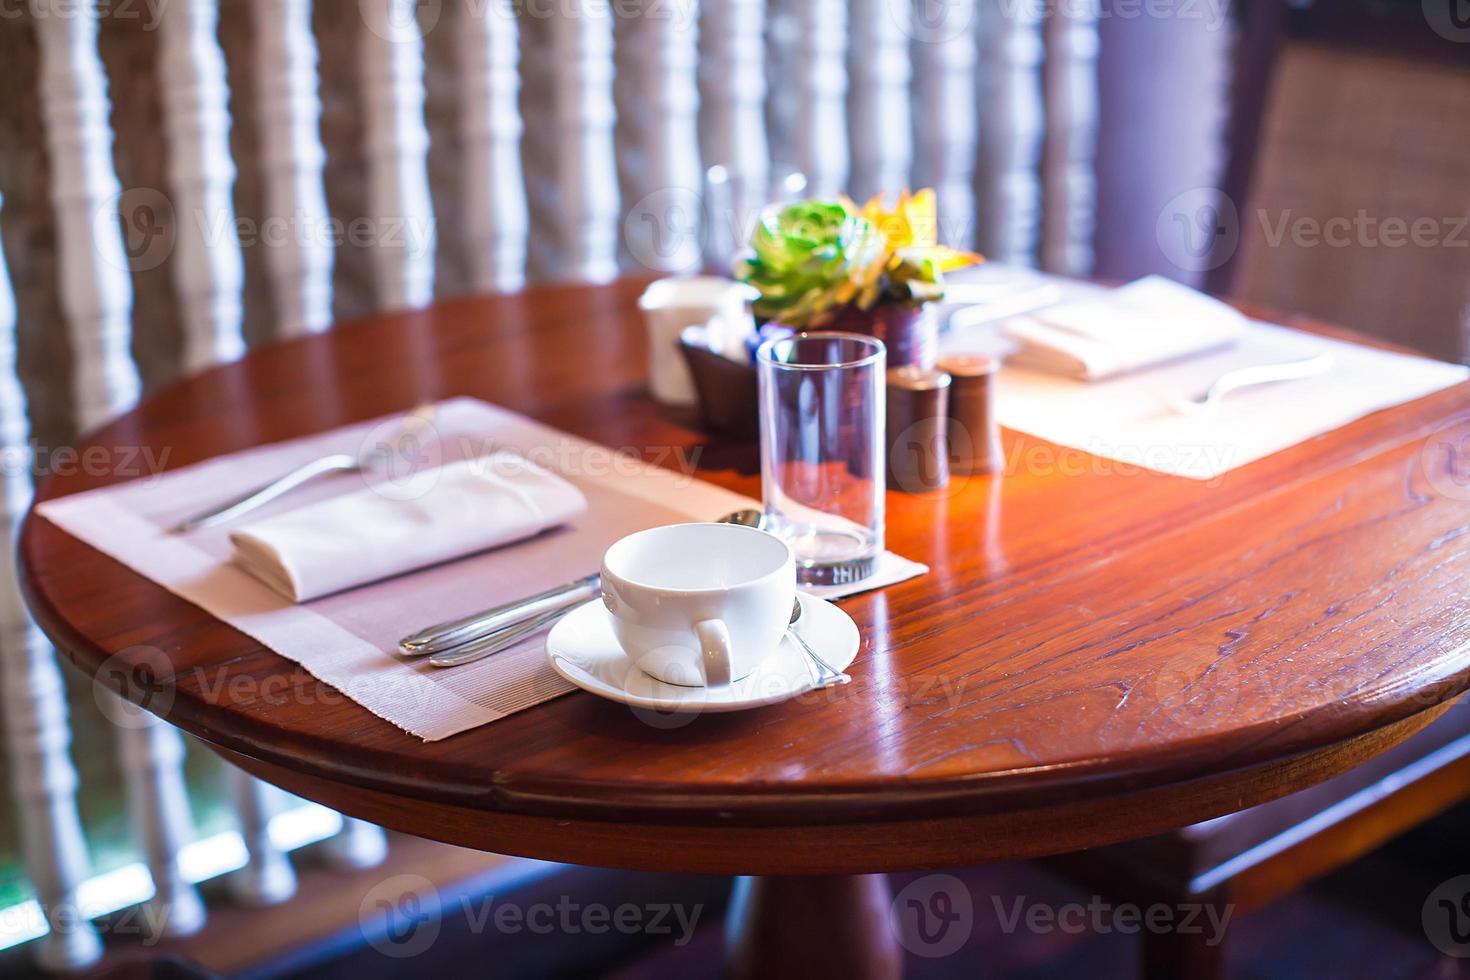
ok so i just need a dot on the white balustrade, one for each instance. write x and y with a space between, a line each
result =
732 87
782 32
209 274
540 138
657 59
878 115
96 290
391 63
152 758
209 277
945 122
1011 126
495 222
358 844
581 50
267 877
819 139
37 738
1069 182
97 299
298 262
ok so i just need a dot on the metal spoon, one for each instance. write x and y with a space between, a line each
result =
480 634
830 676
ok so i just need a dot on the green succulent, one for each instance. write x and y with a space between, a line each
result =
811 258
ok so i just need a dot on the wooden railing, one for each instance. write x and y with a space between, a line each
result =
585 132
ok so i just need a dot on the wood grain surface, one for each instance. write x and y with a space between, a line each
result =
1090 635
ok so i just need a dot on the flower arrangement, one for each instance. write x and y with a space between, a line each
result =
814 261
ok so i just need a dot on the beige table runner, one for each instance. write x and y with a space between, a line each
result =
347 639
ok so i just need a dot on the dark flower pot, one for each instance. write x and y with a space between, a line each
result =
727 389
911 336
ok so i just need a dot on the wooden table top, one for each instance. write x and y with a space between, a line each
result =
1099 652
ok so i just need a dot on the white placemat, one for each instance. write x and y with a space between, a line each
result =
1130 420
348 640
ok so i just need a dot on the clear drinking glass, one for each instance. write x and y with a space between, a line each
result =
821 411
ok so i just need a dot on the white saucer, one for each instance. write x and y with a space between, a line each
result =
581 648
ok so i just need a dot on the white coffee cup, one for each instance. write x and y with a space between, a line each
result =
699 604
670 305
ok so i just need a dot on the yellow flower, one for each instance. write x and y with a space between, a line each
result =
912 230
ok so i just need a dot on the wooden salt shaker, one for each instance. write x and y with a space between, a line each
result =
917 417
974 432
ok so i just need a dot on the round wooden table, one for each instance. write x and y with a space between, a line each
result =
1098 653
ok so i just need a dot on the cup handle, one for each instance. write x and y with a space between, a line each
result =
714 643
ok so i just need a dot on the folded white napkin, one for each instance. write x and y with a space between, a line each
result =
379 532
1138 325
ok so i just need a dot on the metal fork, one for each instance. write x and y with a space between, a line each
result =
413 424
1257 374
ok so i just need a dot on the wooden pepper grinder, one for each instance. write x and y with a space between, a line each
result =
974 432
917 417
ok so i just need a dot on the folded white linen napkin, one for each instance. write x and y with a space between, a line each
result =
1146 322
387 530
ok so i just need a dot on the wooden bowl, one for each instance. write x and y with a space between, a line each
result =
726 391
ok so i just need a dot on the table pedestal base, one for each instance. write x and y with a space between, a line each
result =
813 926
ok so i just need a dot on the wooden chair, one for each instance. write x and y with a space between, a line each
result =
1346 170
1307 99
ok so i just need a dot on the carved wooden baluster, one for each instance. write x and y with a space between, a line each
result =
208 272
581 45
878 108
662 226
494 216
37 736
358 844
732 86
96 296
96 290
945 52
539 147
780 56
292 158
152 759
392 68
1069 182
819 140
267 877
1011 125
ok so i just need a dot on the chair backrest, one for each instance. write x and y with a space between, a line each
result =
1348 173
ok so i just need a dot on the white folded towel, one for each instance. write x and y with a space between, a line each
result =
376 533
1138 325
